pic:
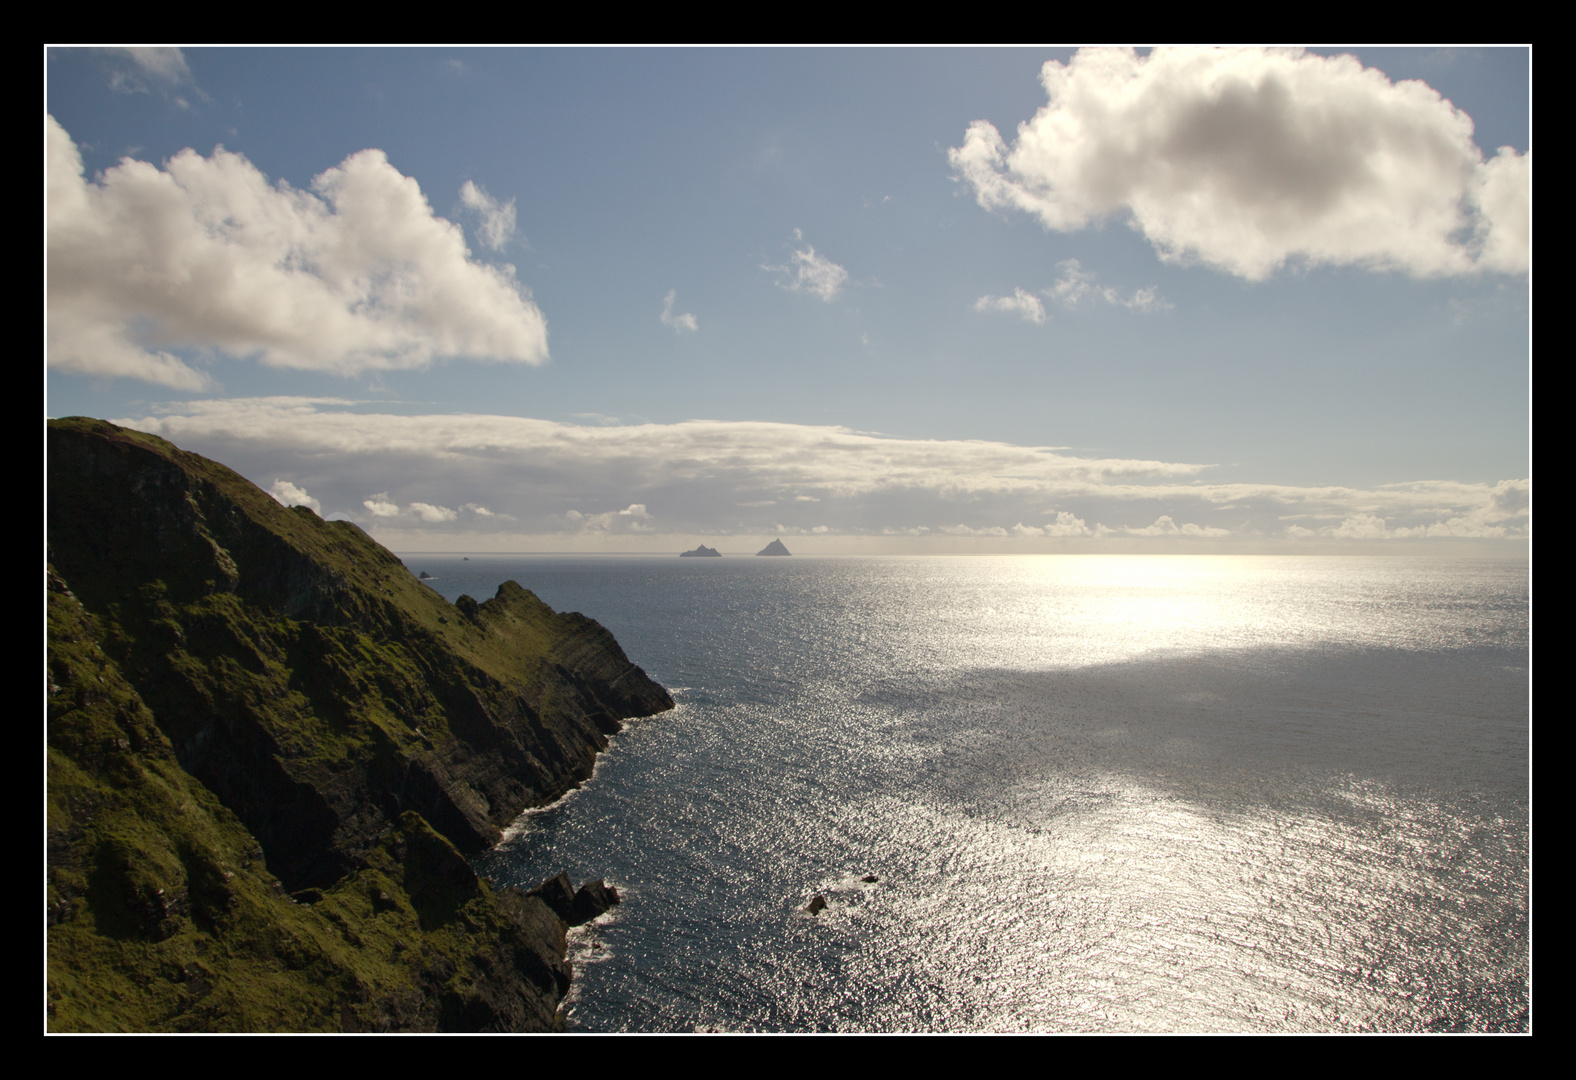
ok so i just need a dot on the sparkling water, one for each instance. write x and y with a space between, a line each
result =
1058 793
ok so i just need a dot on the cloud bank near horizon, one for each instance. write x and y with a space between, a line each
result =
437 475
205 254
1247 159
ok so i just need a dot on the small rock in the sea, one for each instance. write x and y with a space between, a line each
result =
816 906
870 879
558 894
593 899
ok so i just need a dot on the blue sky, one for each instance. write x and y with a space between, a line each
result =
868 300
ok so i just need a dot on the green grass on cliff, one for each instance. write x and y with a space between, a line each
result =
230 678
164 917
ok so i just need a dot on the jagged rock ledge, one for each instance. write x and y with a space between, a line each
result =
271 749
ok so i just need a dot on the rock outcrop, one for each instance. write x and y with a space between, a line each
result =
271 749
774 548
703 552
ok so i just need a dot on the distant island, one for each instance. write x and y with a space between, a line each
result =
703 552
774 548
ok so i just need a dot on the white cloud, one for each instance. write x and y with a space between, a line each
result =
497 227
1077 286
206 254
431 514
290 495
1165 526
1503 194
1067 524
702 472
810 272
679 323
381 505
1500 512
1244 159
1026 305
635 517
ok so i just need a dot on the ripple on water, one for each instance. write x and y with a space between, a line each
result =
1102 794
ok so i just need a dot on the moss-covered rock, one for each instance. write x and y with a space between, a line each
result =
247 702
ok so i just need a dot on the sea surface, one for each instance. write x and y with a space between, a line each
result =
1049 793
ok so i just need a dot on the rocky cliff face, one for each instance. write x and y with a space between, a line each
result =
319 723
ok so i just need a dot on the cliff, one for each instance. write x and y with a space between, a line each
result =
270 750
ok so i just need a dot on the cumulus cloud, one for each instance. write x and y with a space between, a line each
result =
289 494
206 254
1504 225
679 323
634 517
432 514
497 219
1025 305
1500 512
705 474
1165 526
1067 524
807 271
1244 159
381 505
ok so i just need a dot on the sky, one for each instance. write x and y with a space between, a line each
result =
865 300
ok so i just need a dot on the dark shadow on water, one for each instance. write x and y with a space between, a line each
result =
1237 723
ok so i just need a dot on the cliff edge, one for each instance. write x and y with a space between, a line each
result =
270 750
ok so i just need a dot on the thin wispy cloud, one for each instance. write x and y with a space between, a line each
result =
679 322
204 253
1076 287
497 219
1247 159
810 272
145 70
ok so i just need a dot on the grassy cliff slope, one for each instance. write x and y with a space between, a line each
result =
270 749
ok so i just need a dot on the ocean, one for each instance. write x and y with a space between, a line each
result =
1049 793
